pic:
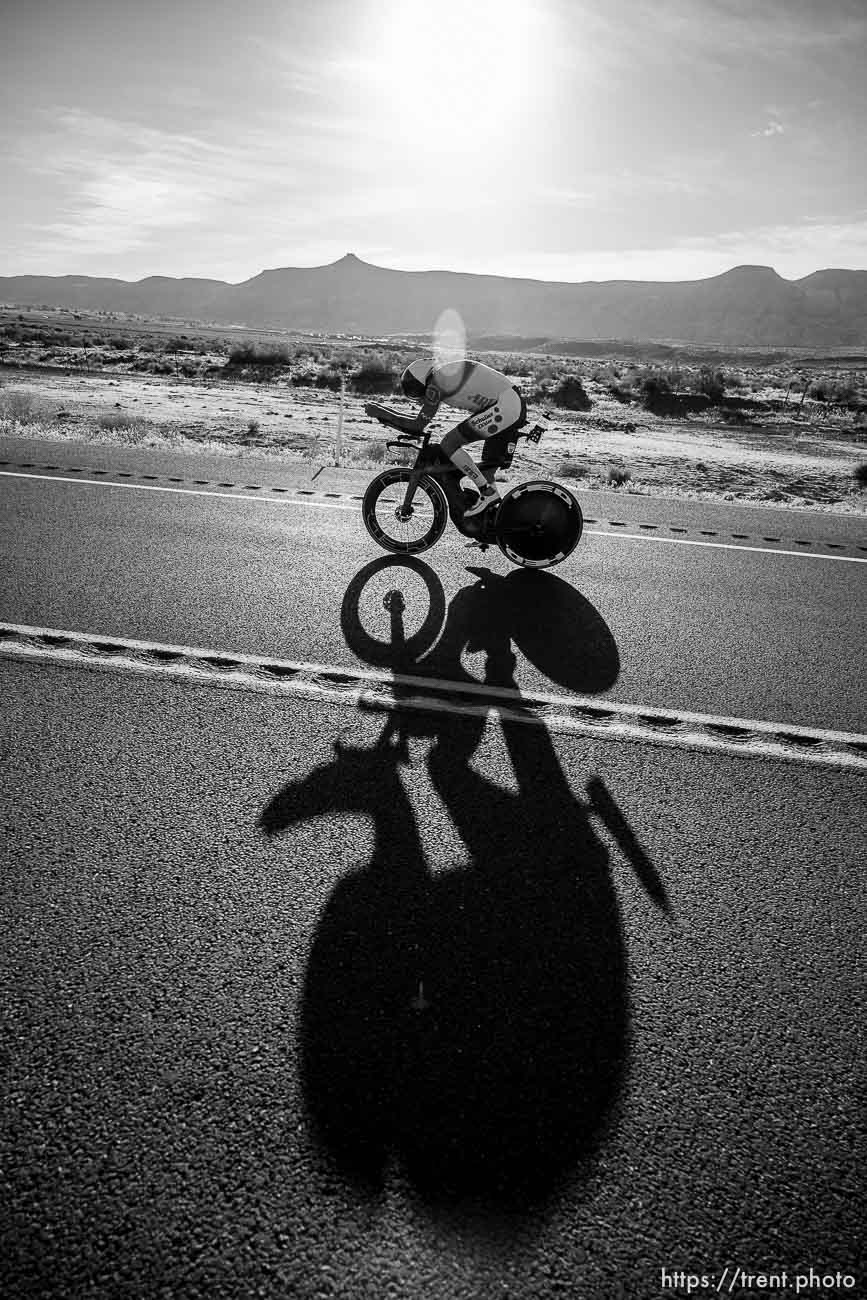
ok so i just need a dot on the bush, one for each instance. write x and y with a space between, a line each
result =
617 475
569 469
711 384
570 394
827 390
860 475
114 421
654 388
20 407
328 378
259 354
374 376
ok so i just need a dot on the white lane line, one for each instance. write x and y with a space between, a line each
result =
375 690
288 500
188 492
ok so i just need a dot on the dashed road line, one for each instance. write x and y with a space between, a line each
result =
189 492
728 546
679 531
374 690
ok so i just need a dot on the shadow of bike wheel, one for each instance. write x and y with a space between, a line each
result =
392 612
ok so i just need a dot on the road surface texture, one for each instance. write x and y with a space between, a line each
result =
424 929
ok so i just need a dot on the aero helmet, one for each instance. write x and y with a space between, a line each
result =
414 380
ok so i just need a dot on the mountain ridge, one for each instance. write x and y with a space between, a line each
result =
745 305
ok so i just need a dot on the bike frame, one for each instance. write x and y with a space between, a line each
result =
432 461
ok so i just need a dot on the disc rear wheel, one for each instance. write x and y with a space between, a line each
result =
396 527
538 524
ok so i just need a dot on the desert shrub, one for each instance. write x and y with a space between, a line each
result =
829 390
18 406
259 354
375 450
252 428
570 394
328 378
618 475
374 375
654 387
118 343
860 475
710 383
189 368
569 469
118 421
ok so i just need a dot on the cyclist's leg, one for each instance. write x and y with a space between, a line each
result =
454 444
500 418
499 450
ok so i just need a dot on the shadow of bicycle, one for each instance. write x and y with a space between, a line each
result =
471 1023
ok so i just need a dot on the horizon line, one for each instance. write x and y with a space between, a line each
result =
354 258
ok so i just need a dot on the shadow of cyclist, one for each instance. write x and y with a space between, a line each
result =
472 1021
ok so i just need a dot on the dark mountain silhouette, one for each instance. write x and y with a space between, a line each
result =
749 305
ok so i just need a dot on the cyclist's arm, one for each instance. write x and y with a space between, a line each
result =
430 406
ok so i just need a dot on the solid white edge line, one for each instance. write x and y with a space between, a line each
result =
359 698
333 505
446 685
726 546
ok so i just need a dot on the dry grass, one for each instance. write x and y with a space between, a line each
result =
791 432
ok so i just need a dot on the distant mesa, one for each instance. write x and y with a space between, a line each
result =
745 306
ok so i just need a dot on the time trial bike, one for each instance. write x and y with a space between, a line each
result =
406 507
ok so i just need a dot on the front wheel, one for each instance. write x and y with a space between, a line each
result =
396 527
538 524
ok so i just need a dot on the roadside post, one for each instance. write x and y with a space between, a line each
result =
338 441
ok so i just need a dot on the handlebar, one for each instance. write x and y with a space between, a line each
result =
393 419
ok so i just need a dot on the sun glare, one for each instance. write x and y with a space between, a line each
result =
453 68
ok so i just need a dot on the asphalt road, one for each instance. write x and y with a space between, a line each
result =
303 998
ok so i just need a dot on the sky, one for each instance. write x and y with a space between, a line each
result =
555 139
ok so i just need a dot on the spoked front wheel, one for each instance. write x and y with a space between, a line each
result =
406 530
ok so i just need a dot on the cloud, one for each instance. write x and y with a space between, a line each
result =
121 181
121 185
773 128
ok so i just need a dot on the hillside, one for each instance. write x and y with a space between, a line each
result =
747 306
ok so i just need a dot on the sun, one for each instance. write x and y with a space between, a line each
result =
453 67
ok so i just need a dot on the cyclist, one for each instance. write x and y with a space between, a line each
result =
497 409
